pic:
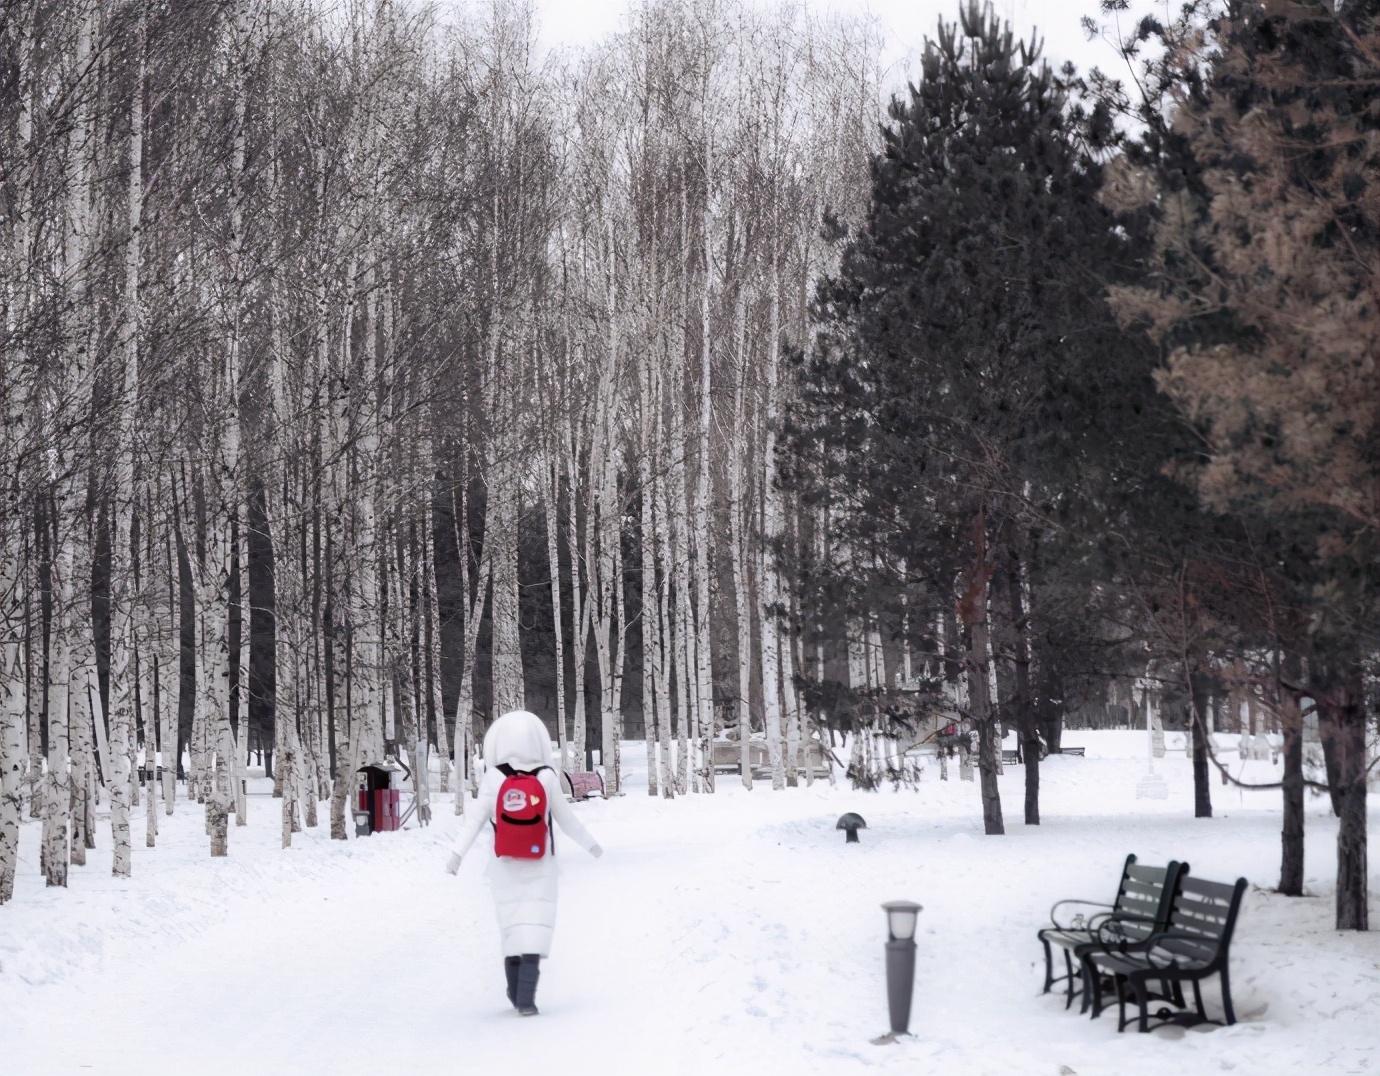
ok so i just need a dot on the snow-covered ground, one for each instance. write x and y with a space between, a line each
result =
727 934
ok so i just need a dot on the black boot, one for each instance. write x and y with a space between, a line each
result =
510 969
527 974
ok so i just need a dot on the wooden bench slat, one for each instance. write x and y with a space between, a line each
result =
1215 891
1143 889
1208 917
1144 911
1194 924
1145 904
1200 952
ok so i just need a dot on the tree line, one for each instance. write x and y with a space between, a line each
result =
365 376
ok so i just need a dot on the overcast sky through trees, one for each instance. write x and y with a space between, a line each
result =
905 23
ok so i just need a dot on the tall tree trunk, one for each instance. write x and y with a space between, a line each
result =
979 695
604 527
580 600
123 592
1291 835
431 602
972 613
768 586
704 557
1342 724
1013 666
667 617
551 495
1199 702
12 709
17 681
650 622
737 520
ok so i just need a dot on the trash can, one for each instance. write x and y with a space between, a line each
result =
378 802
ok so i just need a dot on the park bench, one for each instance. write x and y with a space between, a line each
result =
1141 907
1195 946
584 783
1009 755
726 756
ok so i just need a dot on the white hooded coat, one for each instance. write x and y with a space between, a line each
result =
524 890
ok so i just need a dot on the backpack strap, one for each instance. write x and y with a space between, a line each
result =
513 771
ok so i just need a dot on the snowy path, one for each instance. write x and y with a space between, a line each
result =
732 935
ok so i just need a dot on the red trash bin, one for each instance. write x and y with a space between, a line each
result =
380 799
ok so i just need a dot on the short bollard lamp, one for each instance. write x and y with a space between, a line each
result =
850 824
902 917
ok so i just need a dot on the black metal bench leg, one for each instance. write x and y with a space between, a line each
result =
1049 966
1120 1002
1226 997
1198 1001
1142 992
1092 990
1068 966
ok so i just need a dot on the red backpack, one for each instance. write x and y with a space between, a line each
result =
521 814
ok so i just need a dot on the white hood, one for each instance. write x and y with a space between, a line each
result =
517 739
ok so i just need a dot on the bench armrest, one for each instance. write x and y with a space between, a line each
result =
1115 938
1179 935
1054 918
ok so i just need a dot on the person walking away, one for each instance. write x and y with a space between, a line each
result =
519 798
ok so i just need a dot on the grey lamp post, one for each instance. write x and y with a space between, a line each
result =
901 920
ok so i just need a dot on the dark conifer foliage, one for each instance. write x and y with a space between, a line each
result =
970 389
1261 289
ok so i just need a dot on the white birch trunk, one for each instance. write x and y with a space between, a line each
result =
790 708
14 580
667 666
603 529
123 593
11 718
651 620
738 552
464 706
551 494
704 559
169 655
768 589
430 600
580 600
286 767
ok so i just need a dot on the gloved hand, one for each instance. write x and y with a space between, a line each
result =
596 851
453 864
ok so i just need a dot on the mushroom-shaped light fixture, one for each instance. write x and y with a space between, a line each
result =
851 822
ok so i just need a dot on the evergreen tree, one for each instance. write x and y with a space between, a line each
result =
1263 293
959 407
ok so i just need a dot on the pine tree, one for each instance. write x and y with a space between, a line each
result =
1264 293
955 385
